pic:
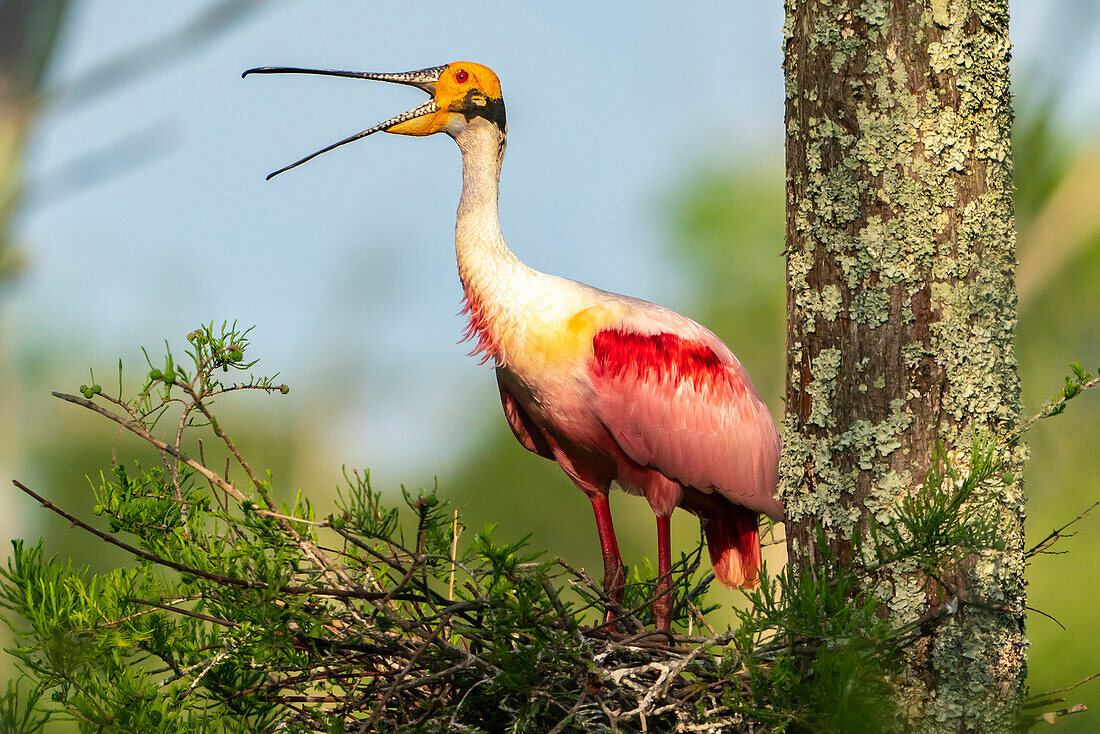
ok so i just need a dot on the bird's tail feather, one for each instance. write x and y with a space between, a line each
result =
733 539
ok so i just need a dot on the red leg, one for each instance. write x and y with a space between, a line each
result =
614 575
662 604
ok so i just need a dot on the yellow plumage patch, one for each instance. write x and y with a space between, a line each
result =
563 342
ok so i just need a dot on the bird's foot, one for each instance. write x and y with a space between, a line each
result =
614 579
662 608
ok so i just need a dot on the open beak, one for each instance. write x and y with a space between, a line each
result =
424 79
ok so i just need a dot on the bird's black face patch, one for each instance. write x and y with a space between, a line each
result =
476 104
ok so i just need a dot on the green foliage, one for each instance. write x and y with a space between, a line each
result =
243 615
816 642
21 713
942 521
818 652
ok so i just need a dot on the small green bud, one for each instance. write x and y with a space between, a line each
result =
284 389
236 355
170 376
96 389
154 374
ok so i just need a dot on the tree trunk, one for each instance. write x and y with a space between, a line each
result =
900 315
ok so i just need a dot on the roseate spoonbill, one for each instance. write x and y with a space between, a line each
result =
612 388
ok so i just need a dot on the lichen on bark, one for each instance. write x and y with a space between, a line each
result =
901 313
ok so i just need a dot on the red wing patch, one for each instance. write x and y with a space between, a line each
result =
661 358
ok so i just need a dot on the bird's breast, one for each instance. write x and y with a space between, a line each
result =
547 352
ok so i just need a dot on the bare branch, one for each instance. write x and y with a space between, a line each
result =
148 57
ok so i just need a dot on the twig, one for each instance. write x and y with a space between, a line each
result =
1051 716
184 612
369 723
140 430
318 558
1058 533
1067 689
560 726
1051 618
198 678
1053 407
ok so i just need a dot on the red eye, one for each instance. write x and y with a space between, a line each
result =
461 76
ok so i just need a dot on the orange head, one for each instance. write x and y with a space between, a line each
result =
461 93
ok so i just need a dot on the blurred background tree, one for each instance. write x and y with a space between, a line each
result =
28 36
185 230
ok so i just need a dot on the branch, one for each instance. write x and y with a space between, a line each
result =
147 57
217 578
96 166
1051 716
1057 534
1053 407
140 430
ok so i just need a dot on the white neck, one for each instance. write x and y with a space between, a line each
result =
494 280
479 244
485 262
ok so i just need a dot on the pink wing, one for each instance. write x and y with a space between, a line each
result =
681 403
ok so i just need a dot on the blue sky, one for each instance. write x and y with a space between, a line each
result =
346 265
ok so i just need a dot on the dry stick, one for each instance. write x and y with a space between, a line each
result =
431 596
127 618
458 706
698 614
175 473
454 555
560 726
1048 616
620 613
664 682
308 678
213 661
197 402
397 679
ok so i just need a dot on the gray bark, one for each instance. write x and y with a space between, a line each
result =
901 315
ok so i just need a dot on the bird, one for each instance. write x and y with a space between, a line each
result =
615 389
